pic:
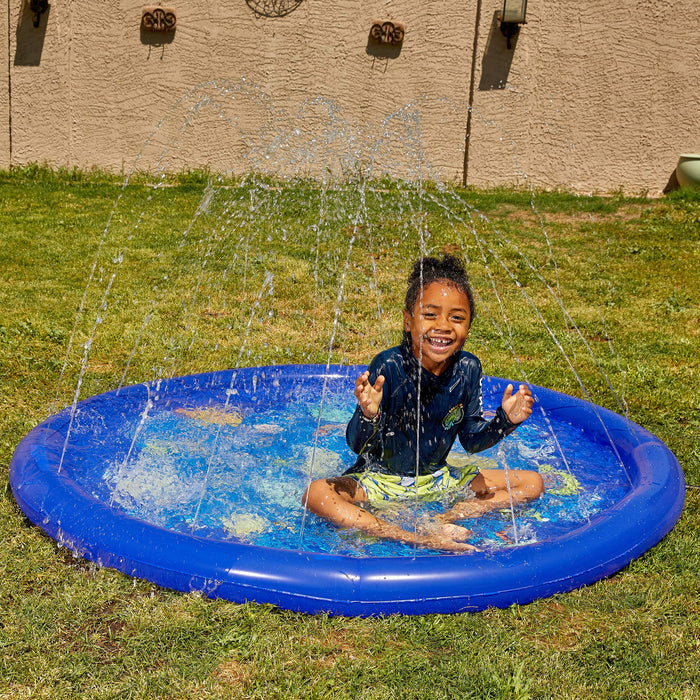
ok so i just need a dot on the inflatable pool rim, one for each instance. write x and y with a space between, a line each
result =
345 585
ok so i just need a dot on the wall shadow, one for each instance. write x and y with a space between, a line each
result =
156 38
497 58
30 39
383 51
672 183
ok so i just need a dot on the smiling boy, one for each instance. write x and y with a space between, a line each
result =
413 402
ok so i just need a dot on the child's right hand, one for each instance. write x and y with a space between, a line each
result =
369 396
446 537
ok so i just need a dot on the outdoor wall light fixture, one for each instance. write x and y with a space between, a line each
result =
512 16
37 8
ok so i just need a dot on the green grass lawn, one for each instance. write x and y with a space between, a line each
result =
104 281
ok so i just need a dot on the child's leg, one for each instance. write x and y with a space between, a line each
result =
336 500
492 493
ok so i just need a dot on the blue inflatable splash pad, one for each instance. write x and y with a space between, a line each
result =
195 483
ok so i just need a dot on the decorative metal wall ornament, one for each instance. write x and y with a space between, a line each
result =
273 8
158 19
387 32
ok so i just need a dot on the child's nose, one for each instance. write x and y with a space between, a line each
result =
443 321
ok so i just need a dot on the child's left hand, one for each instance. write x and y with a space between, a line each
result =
517 406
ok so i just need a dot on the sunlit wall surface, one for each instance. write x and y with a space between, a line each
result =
592 96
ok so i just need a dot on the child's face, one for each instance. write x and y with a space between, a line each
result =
439 325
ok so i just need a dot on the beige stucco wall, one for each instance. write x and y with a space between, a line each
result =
594 96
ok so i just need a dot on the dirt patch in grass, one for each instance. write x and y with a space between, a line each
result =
232 671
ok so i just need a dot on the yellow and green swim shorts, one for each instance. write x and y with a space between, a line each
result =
426 487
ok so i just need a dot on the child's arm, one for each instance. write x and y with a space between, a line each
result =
476 432
369 396
518 406
366 423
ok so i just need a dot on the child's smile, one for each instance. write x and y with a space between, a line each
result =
439 325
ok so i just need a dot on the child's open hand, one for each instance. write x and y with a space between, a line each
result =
518 405
446 537
369 396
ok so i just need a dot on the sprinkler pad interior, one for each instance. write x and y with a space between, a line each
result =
195 483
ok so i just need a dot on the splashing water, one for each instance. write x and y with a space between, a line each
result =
236 471
302 259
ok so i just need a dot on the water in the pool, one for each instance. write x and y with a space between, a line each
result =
236 470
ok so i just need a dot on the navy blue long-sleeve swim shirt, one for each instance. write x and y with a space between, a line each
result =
450 407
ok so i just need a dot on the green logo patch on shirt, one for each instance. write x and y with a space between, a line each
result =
454 417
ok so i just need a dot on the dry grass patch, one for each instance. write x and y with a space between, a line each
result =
233 671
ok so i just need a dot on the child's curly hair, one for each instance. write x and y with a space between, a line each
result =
429 269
